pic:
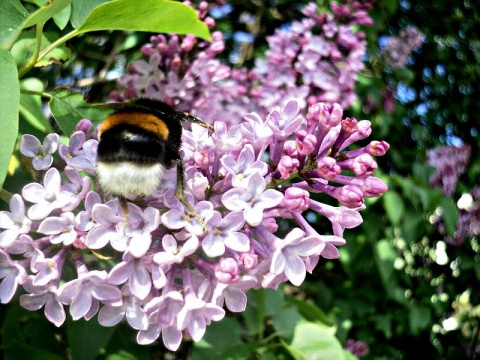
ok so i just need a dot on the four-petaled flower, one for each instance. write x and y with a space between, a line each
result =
31 147
253 200
85 293
289 253
15 223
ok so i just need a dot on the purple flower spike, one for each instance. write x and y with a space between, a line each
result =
30 146
246 180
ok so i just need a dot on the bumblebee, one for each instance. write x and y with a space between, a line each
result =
137 143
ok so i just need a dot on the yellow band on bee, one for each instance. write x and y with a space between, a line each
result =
146 121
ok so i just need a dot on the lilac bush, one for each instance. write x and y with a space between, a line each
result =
171 275
266 162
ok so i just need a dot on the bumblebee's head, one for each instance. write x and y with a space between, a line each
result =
137 142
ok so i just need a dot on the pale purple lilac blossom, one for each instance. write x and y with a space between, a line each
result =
41 153
313 60
171 274
399 48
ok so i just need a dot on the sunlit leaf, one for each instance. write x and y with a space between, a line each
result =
315 342
81 9
23 49
160 16
394 206
68 108
46 12
12 16
31 107
9 104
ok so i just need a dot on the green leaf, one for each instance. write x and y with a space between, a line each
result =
9 105
215 345
61 19
385 257
284 321
81 9
274 301
23 49
391 6
12 16
28 335
315 342
68 108
420 318
254 314
310 311
31 108
394 206
160 16
449 214
384 324
46 12
86 338
123 345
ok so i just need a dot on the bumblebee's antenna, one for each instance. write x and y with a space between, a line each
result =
193 119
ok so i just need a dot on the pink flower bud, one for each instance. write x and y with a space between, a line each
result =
287 165
248 261
227 270
373 187
350 195
328 168
323 115
305 143
290 148
377 148
84 126
364 165
296 199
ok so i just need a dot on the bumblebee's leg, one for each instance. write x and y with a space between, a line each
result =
180 193
124 207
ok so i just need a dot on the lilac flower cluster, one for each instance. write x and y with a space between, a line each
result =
450 162
468 224
315 60
160 268
358 348
398 48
